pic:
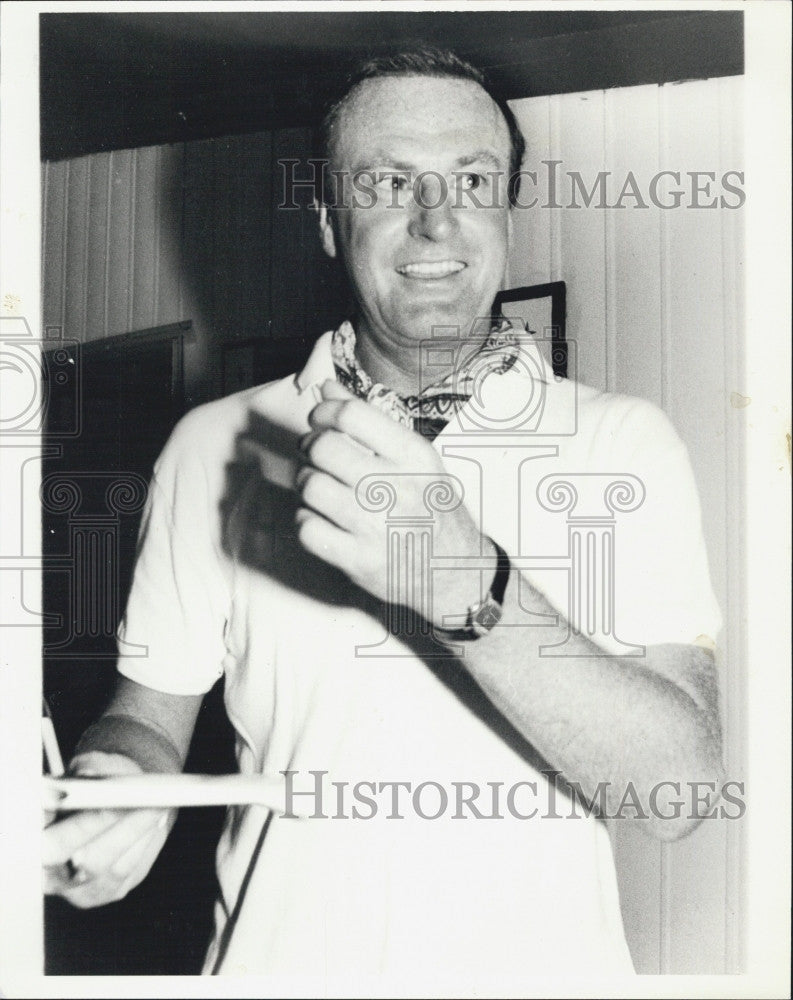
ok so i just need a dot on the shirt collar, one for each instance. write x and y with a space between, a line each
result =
319 366
530 364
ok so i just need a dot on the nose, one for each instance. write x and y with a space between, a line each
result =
431 212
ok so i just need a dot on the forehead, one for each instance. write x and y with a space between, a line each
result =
386 114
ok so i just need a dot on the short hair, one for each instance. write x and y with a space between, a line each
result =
423 60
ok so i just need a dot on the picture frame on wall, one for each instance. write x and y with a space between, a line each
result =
543 311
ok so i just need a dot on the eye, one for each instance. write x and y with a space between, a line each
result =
468 181
393 182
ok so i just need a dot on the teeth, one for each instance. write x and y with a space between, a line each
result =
432 269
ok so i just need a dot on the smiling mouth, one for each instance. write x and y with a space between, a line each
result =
431 269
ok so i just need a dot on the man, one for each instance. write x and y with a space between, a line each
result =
285 528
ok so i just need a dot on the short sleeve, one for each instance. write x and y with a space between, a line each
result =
171 637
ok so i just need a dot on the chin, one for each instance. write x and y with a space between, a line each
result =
455 320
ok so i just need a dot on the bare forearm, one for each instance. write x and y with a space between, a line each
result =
623 721
152 728
125 735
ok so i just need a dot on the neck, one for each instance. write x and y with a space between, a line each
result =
394 367
399 372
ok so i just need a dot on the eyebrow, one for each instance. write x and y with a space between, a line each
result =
481 156
381 160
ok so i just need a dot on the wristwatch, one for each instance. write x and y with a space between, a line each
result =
484 615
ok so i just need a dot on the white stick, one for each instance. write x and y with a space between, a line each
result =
166 791
51 750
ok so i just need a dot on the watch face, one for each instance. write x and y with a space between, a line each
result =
486 616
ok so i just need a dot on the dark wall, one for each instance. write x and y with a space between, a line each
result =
115 81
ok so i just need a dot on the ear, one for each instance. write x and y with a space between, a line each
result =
326 234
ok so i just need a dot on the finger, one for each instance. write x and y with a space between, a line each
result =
62 878
100 764
366 424
63 838
327 496
325 540
91 880
339 455
108 859
86 888
102 852
331 388
126 867
55 880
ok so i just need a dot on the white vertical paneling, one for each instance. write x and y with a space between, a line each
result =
735 675
131 241
550 204
169 204
633 365
655 303
96 249
695 903
579 143
113 232
666 252
530 255
611 282
731 158
696 296
198 257
54 242
145 239
633 290
108 241
76 236
119 242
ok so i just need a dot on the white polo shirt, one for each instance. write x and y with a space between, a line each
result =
511 888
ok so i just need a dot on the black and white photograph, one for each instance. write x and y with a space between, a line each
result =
395 434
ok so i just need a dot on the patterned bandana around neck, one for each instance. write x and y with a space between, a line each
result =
428 412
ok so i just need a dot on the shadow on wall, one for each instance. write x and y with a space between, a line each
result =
255 280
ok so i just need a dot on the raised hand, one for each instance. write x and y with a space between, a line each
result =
351 440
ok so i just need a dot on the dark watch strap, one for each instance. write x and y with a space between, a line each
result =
498 587
486 614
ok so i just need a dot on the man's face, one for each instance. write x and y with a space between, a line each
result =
416 155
